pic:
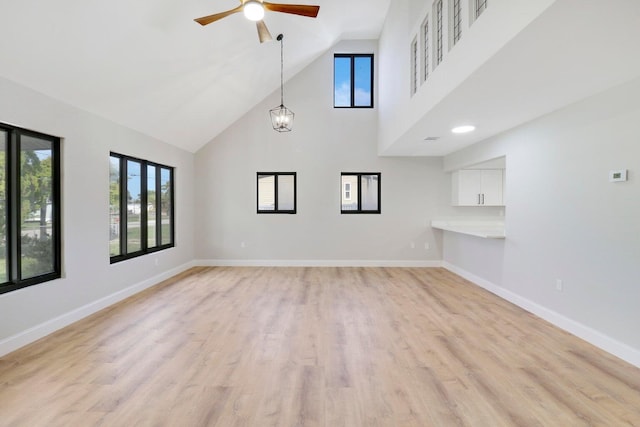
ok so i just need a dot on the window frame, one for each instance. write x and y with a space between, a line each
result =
438 32
426 51
415 61
124 254
13 196
480 7
455 22
276 210
353 57
359 210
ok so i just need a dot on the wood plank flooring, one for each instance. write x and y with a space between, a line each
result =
315 347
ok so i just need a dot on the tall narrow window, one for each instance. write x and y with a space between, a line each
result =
456 20
438 35
424 32
29 208
364 192
481 6
4 142
114 206
414 66
37 248
134 206
140 207
276 192
353 81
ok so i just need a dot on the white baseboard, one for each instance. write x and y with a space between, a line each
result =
30 335
313 263
600 340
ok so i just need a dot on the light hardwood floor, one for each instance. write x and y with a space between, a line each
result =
315 347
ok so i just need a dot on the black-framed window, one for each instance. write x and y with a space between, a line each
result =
141 207
30 244
353 80
276 192
360 192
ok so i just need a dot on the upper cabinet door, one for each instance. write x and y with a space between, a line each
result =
477 187
491 186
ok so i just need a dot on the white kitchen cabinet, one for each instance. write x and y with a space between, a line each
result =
478 187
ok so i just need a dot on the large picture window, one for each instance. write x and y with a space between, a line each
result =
30 249
363 195
353 80
141 207
277 192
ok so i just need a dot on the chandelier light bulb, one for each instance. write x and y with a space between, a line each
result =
253 10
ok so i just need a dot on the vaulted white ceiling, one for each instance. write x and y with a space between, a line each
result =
147 65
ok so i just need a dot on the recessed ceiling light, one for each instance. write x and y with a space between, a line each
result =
463 129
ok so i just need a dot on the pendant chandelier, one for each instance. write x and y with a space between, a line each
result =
281 116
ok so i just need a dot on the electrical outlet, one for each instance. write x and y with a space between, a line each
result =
412 245
558 285
426 246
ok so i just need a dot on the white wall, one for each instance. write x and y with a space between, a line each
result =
89 282
324 142
564 220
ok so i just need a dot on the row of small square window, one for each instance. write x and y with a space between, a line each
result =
434 30
277 192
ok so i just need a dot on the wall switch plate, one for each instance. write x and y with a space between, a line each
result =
559 285
618 175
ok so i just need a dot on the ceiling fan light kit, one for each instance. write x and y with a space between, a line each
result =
254 10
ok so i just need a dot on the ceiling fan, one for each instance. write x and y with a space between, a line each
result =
254 11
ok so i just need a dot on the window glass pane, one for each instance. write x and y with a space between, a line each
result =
286 193
166 205
350 199
369 187
152 240
133 206
342 82
266 193
114 206
3 207
363 81
36 194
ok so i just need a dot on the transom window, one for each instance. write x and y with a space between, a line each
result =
481 6
414 66
439 39
141 207
30 248
353 80
457 20
424 31
364 192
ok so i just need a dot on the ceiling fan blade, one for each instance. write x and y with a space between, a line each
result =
263 33
296 9
217 16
